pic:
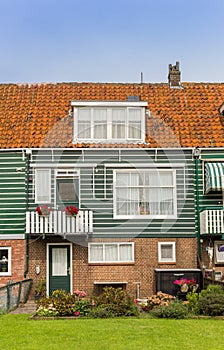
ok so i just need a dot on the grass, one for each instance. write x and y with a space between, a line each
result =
19 332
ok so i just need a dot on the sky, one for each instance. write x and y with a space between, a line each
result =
110 40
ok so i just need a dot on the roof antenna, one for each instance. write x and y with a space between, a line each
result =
141 77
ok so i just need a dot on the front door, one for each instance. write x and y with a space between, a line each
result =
59 268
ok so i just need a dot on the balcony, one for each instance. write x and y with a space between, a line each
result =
58 223
212 222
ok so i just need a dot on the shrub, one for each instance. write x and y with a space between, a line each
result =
211 301
175 310
64 304
212 304
101 312
212 289
156 300
192 302
115 302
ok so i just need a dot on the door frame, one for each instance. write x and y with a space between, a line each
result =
48 261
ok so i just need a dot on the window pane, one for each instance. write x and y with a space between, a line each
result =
167 252
100 123
96 252
125 252
4 260
68 190
118 123
111 253
134 123
59 262
42 186
84 123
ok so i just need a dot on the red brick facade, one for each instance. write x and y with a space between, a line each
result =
142 271
18 248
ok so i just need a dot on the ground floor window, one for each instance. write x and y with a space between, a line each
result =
166 252
111 252
5 261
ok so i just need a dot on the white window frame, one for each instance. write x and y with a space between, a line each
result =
9 272
139 215
38 198
164 260
104 260
219 256
109 106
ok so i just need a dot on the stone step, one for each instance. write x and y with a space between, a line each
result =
27 308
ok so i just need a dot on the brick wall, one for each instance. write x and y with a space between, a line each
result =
18 260
142 270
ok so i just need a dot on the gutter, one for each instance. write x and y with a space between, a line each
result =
28 155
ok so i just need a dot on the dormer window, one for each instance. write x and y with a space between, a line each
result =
109 121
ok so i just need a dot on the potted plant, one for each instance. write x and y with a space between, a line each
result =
43 210
71 210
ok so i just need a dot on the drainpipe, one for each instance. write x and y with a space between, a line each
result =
196 155
28 154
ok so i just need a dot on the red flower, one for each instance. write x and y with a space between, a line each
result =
43 210
71 210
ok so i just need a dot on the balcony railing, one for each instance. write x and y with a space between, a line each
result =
212 221
58 223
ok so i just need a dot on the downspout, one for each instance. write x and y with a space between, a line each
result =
196 155
28 154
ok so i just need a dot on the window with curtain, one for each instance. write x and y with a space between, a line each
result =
5 261
42 185
111 252
166 252
145 192
109 123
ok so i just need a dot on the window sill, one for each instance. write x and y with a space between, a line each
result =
167 262
111 263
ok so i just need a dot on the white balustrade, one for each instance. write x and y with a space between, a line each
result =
212 221
58 222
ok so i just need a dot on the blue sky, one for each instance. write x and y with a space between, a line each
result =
110 41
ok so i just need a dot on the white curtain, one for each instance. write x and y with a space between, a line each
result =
125 252
118 124
100 123
134 123
96 252
84 123
59 262
111 252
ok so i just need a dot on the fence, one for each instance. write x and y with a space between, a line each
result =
13 294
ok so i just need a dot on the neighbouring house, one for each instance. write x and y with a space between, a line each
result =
103 183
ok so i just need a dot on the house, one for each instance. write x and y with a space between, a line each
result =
124 156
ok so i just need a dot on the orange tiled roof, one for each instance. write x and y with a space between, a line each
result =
38 115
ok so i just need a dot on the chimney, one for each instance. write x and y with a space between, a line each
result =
174 75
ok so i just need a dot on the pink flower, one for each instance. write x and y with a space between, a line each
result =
76 313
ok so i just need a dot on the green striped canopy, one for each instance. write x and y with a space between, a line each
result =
214 173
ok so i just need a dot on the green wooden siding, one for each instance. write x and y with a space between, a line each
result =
96 187
12 193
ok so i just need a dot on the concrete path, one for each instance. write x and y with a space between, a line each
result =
27 308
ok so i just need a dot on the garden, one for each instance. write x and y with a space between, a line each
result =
116 302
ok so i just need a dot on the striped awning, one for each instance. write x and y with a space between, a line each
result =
214 173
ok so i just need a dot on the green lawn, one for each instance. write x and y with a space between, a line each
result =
18 332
